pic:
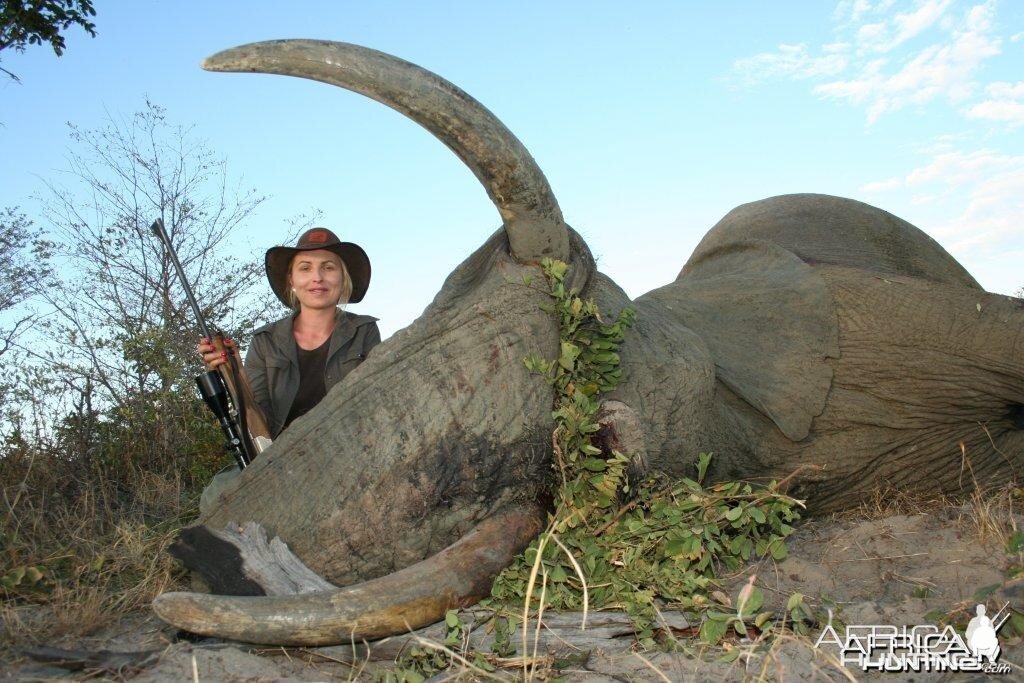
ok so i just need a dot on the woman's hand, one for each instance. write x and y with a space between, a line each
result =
211 356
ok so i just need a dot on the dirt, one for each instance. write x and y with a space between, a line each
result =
895 570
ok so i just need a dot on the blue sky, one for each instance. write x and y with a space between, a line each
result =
650 122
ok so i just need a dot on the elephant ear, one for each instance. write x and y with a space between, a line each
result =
769 322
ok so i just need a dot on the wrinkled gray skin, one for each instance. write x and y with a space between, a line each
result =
805 330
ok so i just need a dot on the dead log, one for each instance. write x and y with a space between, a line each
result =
241 561
94 662
561 634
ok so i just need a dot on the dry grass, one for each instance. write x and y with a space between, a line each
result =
994 515
887 502
99 548
989 504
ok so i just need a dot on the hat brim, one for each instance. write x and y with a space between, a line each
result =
278 260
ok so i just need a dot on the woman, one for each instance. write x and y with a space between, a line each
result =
293 363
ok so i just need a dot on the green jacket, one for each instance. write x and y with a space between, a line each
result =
272 361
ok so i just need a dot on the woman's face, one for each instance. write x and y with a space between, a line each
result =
317 278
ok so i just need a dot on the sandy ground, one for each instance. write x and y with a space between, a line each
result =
891 570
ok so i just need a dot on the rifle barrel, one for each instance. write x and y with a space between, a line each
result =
161 233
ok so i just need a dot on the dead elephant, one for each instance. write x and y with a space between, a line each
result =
804 330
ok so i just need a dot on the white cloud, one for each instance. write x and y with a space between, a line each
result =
991 220
1005 103
957 169
910 24
1011 112
988 203
943 143
855 10
789 61
1003 90
938 70
887 35
941 50
872 34
886 185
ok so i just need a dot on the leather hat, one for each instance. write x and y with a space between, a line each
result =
279 259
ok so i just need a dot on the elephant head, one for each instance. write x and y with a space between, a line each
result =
804 330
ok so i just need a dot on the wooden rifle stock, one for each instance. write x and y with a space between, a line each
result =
243 422
254 425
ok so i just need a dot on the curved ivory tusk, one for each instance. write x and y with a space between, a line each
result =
418 595
507 171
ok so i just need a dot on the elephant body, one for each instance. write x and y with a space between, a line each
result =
846 342
809 337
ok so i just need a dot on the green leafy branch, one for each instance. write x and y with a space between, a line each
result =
614 548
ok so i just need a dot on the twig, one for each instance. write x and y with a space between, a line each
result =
583 580
538 560
618 515
783 484
455 656
887 557
651 666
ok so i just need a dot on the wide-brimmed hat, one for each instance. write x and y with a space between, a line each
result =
356 261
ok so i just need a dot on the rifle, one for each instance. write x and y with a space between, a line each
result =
226 390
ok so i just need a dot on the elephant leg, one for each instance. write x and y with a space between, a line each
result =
928 389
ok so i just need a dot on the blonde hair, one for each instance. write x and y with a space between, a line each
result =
346 287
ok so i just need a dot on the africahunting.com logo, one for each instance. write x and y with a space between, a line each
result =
923 648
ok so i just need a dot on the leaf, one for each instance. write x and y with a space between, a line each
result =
795 600
734 513
1016 542
480 662
731 655
568 355
779 550
712 631
451 619
749 599
676 547
703 460
557 269
13 578
739 627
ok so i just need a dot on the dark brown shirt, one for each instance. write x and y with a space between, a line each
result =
312 366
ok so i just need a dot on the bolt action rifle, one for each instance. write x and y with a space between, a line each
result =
225 390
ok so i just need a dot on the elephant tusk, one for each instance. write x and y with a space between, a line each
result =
418 595
500 162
